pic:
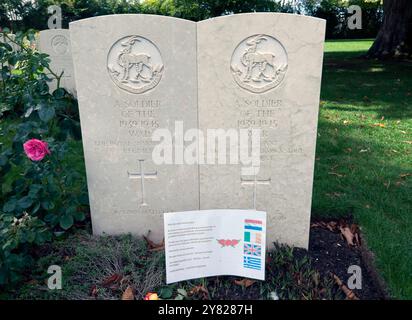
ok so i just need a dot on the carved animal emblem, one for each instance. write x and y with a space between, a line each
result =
253 58
127 60
258 69
135 64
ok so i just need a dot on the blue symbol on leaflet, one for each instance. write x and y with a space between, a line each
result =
252 263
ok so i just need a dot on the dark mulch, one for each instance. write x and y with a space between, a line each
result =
330 253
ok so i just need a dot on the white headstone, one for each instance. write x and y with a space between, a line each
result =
263 70
137 73
134 74
12 36
56 43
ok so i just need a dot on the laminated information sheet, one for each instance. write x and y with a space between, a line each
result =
206 243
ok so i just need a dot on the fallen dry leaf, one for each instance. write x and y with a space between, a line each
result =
334 195
331 225
315 225
112 280
404 175
349 232
245 282
93 291
128 294
350 295
336 174
204 293
348 235
154 246
408 142
381 125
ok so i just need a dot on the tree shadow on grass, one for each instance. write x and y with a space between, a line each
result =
365 85
359 165
391 112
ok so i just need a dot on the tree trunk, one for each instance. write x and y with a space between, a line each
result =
394 39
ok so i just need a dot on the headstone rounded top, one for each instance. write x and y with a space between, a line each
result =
263 14
125 16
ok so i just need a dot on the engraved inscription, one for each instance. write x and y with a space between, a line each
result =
134 64
259 63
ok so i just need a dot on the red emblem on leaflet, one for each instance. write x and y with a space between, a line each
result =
228 243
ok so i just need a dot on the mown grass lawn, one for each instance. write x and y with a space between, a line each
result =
364 154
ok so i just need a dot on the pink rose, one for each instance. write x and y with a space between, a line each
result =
36 149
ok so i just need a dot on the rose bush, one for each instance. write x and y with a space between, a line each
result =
43 190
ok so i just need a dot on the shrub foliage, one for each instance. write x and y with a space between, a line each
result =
39 199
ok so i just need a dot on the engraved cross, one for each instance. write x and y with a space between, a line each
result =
142 176
254 182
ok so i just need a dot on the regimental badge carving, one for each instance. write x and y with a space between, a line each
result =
135 64
60 44
259 63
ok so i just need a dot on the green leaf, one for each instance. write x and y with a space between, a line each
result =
36 208
10 245
34 189
25 202
3 160
12 60
31 236
84 199
51 218
66 222
79 215
9 206
166 293
46 113
182 292
47 205
59 93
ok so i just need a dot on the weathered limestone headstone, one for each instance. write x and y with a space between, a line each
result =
263 70
56 43
10 41
134 74
12 36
